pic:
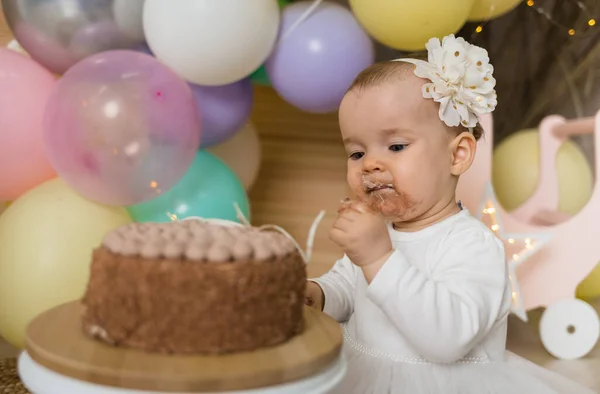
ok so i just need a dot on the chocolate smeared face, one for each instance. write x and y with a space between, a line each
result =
382 195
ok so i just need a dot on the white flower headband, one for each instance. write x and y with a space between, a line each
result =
461 80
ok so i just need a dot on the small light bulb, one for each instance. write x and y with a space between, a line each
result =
495 227
479 29
530 3
592 22
571 32
515 256
511 241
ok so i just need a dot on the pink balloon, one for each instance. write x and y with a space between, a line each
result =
121 128
24 90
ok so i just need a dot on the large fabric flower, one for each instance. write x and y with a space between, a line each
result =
461 80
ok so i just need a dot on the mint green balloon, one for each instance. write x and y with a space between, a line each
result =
208 189
260 76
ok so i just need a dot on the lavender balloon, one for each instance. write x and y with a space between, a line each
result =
224 109
312 67
121 128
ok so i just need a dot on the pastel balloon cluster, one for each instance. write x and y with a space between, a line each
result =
139 110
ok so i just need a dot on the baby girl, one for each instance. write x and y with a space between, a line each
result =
422 291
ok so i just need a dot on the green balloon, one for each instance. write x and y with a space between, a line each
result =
209 190
259 76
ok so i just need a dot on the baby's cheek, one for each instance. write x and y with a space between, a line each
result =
355 183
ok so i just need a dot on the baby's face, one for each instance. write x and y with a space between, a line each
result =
399 152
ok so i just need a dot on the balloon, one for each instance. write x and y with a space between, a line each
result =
46 242
121 128
515 172
408 25
59 33
224 109
209 190
589 288
489 9
313 66
242 154
25 87
260 76
211 42
3 206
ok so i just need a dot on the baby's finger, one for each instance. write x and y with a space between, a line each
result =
350 213
356 206
344 204
360 207
343 223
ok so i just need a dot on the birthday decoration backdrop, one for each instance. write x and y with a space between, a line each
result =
114 111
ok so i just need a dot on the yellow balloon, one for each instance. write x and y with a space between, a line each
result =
242 154
489 9
46 240
408 24
3 206
515 172
589 288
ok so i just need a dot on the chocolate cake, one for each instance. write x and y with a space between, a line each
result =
194 287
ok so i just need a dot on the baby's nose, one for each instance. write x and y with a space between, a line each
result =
372 165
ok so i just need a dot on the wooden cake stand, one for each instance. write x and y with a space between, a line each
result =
60 359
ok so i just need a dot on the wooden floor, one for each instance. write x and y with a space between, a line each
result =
302 172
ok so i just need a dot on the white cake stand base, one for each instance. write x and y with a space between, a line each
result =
40 380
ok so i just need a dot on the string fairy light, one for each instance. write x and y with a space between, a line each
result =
518 247
571 31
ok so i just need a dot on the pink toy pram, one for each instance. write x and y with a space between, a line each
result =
548 278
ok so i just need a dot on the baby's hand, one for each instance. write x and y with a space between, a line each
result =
361 233
314 295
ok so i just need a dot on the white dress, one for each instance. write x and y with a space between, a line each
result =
434 319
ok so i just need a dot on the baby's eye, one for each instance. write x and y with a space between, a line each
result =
397 147
356 155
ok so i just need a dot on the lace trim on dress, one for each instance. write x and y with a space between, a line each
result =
403 359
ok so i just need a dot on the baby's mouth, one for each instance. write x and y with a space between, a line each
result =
372 187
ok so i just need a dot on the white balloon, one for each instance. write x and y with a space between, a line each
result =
242 154
212 42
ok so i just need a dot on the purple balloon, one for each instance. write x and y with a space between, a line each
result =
315 64
224 109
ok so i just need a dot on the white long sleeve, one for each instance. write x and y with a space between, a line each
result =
339 286
446 311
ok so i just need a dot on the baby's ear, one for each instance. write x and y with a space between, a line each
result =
463 148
